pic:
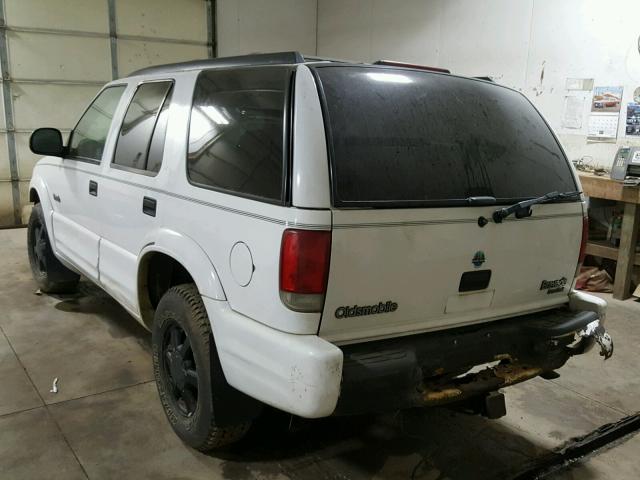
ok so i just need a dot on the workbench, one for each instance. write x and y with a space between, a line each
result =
626 257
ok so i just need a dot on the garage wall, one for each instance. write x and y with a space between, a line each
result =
250 26
58 53
530 45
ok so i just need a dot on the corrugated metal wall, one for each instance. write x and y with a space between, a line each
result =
56 54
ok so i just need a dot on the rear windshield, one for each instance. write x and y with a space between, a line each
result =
410 138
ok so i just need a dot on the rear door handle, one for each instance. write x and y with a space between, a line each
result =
149 206
93 188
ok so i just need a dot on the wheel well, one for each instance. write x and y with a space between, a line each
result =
158 272
33 196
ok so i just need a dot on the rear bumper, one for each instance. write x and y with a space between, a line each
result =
310 377
430 369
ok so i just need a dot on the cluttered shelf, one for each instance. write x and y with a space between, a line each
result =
603 187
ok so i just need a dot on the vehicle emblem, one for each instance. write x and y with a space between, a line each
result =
478 259
554 286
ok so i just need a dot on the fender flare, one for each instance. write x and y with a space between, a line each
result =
37 183
190 255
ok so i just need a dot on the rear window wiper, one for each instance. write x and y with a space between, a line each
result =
523 209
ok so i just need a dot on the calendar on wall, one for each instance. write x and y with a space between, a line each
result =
603 126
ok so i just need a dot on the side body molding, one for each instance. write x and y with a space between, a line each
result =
190 255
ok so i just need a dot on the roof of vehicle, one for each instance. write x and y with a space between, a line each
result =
279 58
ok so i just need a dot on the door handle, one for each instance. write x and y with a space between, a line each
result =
93 188
149 206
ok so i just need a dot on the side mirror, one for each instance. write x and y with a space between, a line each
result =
47 141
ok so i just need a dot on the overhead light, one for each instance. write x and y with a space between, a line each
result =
389 77
214 114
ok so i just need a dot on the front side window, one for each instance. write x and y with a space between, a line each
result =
141 140
88 138
236 131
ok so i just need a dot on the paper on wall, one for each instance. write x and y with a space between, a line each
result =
573 111
579 84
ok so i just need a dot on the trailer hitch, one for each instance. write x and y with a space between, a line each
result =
595 331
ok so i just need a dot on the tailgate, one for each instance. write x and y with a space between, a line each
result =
403 271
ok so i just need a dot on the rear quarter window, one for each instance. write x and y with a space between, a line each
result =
236 131
412 138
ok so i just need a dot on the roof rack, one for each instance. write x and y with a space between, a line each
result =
241 60
393 63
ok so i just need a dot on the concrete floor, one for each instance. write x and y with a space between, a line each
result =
106 420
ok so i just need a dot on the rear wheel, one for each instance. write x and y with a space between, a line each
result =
49 273
182 346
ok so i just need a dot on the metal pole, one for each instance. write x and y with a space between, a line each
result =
8 118
113 39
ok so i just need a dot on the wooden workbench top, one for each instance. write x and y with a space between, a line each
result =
603 187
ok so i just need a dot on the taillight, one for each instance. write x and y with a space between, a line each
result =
585 237
304 268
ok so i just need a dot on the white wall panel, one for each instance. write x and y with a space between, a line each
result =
184 19
369 30
6 204
26 159
134 54
530 45
85 15
36 105
579 41
344 29
5 173
63 53
36 55
250 26
419 20
3 123
486 38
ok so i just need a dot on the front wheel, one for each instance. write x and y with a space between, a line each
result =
182 349
49 273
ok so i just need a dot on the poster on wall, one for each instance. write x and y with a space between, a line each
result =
605 113
632 127
606 99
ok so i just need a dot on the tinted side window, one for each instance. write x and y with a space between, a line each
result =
156 149
88 138
139 123
236 131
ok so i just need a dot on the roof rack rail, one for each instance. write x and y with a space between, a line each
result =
237 61
315 58
393 63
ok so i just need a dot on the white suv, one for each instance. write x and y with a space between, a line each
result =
322 237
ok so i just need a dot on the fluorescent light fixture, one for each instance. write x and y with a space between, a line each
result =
389 77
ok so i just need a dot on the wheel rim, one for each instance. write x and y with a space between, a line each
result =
180 369
40 247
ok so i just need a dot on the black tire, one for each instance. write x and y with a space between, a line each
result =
49 273
182 348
